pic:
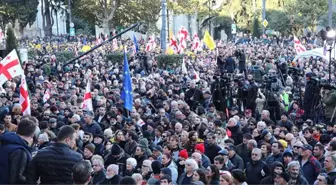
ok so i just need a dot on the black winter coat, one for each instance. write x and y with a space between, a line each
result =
98 177
236 134
53 165
113 181
256 171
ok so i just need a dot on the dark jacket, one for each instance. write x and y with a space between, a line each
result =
311 169
53 165
98 177
93 128
236 134
205 161
130 147
113 181
272 158
237 161
301 180
256 171
244 153
229 65
15 156
211 151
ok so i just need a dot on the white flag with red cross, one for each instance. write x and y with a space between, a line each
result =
298 46
10 67
24 96
151 45
182 34
196 43
173 44
87 104
46 95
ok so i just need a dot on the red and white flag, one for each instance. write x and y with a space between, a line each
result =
24 96
298 46
182 34
173 44
10 67
196 43
87 104
151 45
46 96
115 44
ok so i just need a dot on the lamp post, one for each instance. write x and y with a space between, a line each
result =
164 26
331 34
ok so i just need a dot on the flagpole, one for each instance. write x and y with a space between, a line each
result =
101 44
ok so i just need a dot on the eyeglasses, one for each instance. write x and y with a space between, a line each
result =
254 154
297 147
144 166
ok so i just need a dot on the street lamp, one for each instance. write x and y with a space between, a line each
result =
331 34
213 3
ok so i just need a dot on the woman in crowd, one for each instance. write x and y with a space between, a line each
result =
213 174
200 175
187 177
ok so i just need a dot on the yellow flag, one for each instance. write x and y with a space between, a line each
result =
208 41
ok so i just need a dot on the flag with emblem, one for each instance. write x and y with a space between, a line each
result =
196 43
46 96
24 96
298 46
10 67
126 94
87 104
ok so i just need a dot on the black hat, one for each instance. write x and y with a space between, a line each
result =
157 148
99 135
156 167
307 147
230 147
284 175
115 150
166 171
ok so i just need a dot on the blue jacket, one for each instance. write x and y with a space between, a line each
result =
311 169
15 155
93 128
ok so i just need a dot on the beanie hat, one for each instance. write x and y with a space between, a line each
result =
283 143
156 167
115 150
200 147
287 153
91 147
166 171
264 133
184 154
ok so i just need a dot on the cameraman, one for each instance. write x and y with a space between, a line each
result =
329 101
308 98
252 94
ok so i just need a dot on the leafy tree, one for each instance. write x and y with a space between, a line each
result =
11 42
256 28
278 21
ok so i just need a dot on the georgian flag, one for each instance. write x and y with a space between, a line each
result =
87 104
196 43
182 34
298 46
46 96
24 96
10 67
151 45
173 44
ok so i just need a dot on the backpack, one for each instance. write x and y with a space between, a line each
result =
5 150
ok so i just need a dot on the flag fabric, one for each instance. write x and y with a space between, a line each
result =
46 96
196 76
87 104
182 34
136 47
10 67
208 41
24 96
126 94
196 43
115 44
173 46
184 68
298 46
151 45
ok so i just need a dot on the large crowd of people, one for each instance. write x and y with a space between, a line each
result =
245 113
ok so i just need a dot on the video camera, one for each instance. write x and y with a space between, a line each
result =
295 71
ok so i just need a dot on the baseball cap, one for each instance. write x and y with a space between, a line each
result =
158 148
307 147
223 152
231 147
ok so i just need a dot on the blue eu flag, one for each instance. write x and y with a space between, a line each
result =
126 94
136 47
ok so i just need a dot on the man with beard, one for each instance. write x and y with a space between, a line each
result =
130 146
101 118
112 175
277 168
194 96
117 156
319 153
87 139
295 176
98 142
211 148
242 149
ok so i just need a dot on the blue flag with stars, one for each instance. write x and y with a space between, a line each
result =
126 94
136 47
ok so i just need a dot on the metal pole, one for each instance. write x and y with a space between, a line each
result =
103 43
330 64
164 26
330 12
263 14
70 15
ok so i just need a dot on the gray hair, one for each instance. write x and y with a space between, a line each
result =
114 167
137 177
132 161
148 163
193 163
292 164
257 150
100 162
43 137
253 143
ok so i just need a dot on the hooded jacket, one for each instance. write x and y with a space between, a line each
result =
15 154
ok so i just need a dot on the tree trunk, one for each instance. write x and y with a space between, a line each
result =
106 27
48 28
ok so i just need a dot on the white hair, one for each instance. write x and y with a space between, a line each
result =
178 124
148 163
261 123
266 112
197 155
108 132
257 150
137 177
292 164
100 162
237 118
233 120
114 167
76 116
193 163
43 137
132 161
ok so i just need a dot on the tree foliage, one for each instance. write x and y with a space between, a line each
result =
11 42
256 28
